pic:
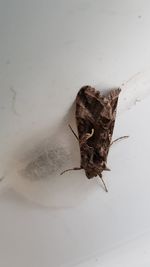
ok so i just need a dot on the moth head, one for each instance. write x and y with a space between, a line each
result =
93 170
90 173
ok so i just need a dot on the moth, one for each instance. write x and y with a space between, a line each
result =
95 118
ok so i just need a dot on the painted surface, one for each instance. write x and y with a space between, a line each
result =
49 50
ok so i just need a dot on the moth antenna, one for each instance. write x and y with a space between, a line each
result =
122 137
73 169
73 132
103 183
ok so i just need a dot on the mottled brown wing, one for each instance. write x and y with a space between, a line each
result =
94 111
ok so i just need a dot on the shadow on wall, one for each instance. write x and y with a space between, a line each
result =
39 162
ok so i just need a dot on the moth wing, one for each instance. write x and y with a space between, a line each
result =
94 111
85 106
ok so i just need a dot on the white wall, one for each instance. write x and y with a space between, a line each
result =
48 50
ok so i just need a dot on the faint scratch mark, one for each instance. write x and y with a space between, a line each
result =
137 100
13 102
2 178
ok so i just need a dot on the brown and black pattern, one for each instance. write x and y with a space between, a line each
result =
95 117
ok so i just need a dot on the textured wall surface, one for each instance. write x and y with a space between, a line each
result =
48 50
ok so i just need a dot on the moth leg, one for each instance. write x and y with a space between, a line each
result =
73 132
73 169
103 183
122 137
107 169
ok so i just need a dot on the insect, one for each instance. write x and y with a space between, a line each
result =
95 117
